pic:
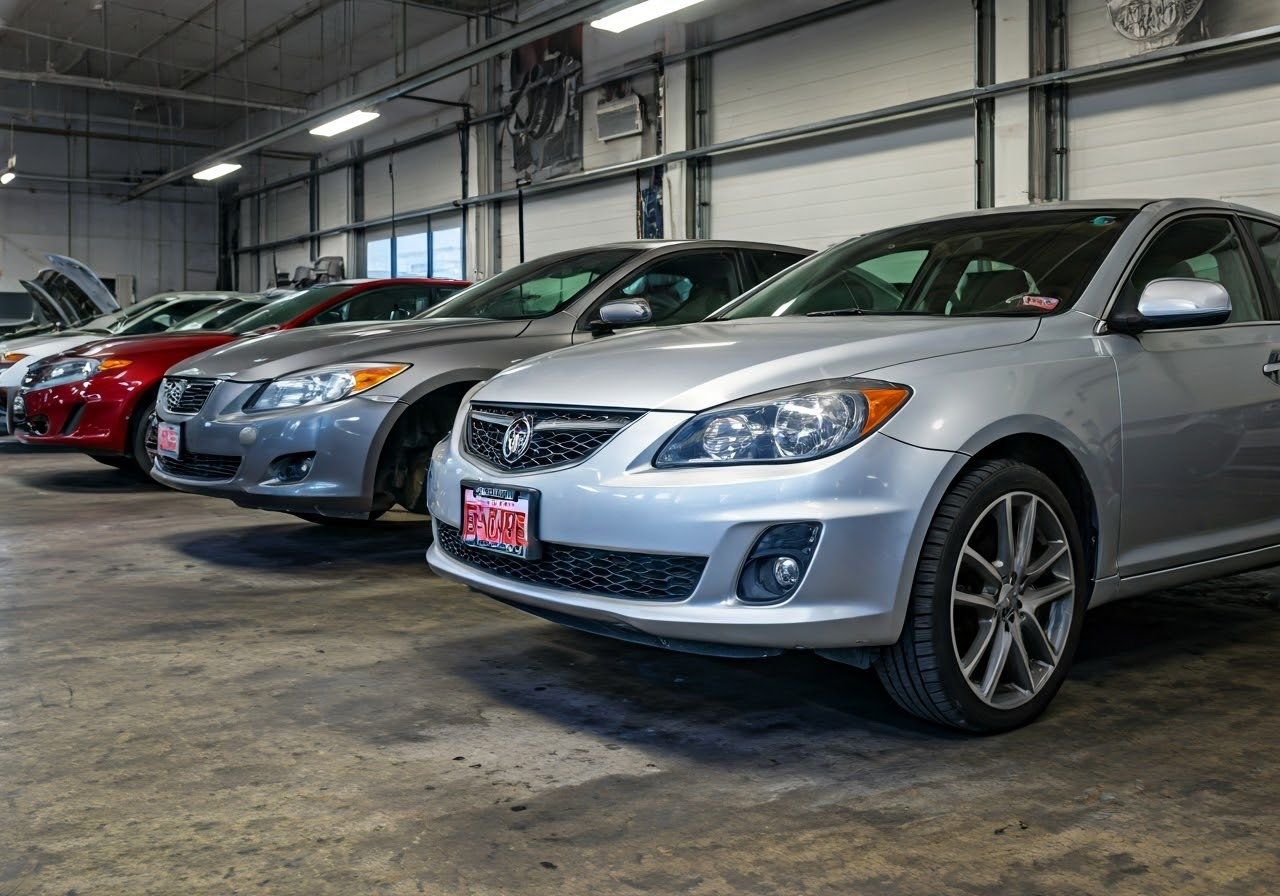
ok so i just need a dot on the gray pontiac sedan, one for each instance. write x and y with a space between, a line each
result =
337 423
927 451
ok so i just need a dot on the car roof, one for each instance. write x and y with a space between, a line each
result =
693 243
1172 203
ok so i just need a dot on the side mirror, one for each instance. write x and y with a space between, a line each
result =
626 313
1174 302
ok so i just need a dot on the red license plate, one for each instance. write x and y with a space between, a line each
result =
501 519
168 439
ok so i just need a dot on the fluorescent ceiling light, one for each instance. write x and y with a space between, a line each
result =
640 13
345 123
216 171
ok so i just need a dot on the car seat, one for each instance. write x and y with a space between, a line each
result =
988 290
705 297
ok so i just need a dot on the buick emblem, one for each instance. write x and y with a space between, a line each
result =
516 440
173 390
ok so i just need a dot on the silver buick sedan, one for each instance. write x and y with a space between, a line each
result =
927 450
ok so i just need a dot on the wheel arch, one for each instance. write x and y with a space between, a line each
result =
425 415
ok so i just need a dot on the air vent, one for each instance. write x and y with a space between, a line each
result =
620 118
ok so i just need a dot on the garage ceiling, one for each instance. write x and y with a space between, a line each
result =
199 64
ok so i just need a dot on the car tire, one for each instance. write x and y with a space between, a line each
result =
142 441
997 603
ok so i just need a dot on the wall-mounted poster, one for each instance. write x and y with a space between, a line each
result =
1104 30
544 108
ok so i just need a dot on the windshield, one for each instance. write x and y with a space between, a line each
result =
111 323
215 317
286 308
534 289
1017 263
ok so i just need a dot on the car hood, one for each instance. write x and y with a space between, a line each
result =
699 366
180 345
69 293
287 351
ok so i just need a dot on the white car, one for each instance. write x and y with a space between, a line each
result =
165 311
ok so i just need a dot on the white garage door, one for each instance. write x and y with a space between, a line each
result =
814 195
1209 134
570 219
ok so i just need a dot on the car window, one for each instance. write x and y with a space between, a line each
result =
1206 248
682 289
535 288
1267 236
764 263
1003 263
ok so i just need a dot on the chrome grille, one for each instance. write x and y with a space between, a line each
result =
206 467
179 395
560 436
587 570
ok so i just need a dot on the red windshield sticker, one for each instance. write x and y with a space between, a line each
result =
1041 303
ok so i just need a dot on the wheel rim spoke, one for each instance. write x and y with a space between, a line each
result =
983 566
1035 598
1012 599
999 656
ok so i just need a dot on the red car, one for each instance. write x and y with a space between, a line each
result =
100 397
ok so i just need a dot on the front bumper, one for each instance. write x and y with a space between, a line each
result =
90 416
227 453
873 502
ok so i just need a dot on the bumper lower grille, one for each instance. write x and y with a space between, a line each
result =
586 570
556 437
208 467
180 395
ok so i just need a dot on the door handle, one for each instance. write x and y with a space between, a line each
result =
1270 368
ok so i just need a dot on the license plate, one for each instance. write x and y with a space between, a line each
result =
501 519
168 439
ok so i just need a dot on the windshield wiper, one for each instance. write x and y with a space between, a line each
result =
842 312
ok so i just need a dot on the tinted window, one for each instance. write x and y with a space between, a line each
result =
1267 236
683 288
1013 263
286 308
221 315
763 264
1203 249
534 289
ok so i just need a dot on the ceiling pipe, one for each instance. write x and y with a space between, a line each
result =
104 84
572 12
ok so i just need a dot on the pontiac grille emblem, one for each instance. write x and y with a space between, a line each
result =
516 440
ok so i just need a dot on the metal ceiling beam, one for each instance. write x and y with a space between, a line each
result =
139 90
271 32
167 35
572 12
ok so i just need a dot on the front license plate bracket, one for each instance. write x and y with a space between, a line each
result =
501 519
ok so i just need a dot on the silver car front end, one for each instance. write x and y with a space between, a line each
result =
615 530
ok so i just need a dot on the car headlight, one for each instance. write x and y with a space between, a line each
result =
320 386
71 370
798 423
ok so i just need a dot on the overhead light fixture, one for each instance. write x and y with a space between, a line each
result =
217 171
345 123
640 13
9 172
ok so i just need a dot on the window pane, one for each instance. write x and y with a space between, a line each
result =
446 257
378 258
411 255
1268 239
1203 249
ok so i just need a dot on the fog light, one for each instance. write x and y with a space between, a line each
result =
777 562
291 467
786 572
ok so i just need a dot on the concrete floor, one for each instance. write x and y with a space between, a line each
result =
202 699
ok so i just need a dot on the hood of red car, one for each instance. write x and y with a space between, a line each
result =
180 345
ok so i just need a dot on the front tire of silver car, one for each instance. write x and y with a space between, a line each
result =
997 603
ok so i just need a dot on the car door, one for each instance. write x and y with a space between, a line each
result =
681 288
1201 407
